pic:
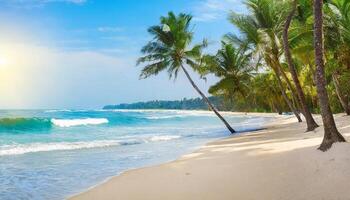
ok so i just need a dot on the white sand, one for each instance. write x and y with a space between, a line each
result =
281 162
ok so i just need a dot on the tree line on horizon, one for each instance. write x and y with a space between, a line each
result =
289 55
183 104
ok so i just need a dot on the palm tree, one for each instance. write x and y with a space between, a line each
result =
233 68
342 98
300 41
259 31
265 88
331 133
311 124
170 50
337 41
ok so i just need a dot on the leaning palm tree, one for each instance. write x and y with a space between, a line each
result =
170 50
331 133
311 124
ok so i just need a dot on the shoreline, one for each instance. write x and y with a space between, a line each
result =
178 180
196 111
197 149
253 114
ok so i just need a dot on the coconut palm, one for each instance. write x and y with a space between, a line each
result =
331 133
337 42
233 67
265 88
170 50
311 124
340 13
259 31
300 37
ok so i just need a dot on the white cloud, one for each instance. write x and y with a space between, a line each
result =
110 29
116 38
29 4
210 10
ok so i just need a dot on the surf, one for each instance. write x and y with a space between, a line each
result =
78 122
24 124
44 124
18 149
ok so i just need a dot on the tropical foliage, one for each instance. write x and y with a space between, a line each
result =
171 50
289 56
260 33
184 104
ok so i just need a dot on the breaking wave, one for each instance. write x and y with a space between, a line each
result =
17 149
24 124
42 147
164 138
41 124
79 122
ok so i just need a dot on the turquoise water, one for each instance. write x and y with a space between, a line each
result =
52 154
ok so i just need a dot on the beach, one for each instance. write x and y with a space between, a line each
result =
45 154
279 162
175 100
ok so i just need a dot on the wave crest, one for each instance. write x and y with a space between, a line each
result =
78 122
18 149
54 146
24 124
164 138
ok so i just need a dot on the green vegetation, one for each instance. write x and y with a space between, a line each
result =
184 104
289 56
171 50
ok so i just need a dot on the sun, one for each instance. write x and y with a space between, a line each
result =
3 61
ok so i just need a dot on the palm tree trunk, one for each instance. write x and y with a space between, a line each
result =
211 106
286 99
341 97
331 133
311 124
285 77
274 66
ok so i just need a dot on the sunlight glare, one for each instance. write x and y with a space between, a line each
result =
3 61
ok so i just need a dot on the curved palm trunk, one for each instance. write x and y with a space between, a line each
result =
286 99
289 84
311 124
277 72
331 133
211 106
343 100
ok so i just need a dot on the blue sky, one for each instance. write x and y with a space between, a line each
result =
81 53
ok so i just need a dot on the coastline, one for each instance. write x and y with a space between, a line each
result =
195 149
210 172
130 184
257 114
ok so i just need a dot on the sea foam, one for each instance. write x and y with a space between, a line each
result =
78 122
54 146
17 149
164 138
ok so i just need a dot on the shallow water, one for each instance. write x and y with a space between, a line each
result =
52 154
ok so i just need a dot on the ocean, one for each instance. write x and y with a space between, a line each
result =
53 154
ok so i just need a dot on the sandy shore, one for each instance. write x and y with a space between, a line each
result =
280 162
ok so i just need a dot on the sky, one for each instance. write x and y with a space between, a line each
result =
82 53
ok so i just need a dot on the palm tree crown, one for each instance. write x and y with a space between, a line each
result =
170 47
232 66
170 50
